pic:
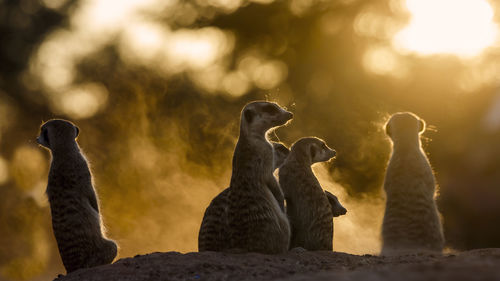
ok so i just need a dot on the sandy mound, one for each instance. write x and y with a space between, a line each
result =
481 264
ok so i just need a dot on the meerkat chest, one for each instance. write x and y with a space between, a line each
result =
408 167
408 178
305 196
298 182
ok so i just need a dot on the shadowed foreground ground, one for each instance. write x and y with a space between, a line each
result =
481 264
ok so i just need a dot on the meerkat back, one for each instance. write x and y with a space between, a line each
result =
308 207
213 230
256 221
411 220
76 221
213 235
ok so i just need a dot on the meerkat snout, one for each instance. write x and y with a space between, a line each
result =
320 152
288 116
333 153
280 115
339 211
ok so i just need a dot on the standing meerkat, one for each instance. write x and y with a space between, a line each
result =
411 221
213 233
256 220
310 210
73 202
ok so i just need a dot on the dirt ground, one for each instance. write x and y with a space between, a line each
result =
483 264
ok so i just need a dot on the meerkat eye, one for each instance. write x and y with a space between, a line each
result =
45 135
77 132
270 109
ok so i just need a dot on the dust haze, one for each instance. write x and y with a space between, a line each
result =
358 231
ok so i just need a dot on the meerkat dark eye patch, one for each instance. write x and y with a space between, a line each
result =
312 150
248 114
77 132
270 109
45 136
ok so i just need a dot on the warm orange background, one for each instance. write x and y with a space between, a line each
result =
156 88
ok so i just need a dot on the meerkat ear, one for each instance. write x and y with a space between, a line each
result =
77 132
248 114
388 129
421 126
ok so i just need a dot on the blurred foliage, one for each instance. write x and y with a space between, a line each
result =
156 88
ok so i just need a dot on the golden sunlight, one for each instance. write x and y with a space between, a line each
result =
463 27
148 43
143 42
4 170
82 101
382 60
27 174
197 49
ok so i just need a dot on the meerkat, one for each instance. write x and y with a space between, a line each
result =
73 202
256 221
213 230
337 208
308 207
411 221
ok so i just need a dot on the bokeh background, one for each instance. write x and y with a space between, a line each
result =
156 87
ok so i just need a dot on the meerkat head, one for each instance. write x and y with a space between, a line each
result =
313 149
57 131
280 152
404 125
337 208
260 116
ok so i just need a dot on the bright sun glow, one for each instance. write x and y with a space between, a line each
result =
461 27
